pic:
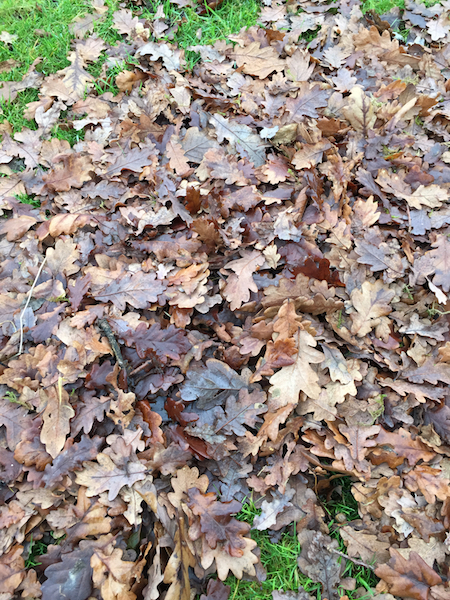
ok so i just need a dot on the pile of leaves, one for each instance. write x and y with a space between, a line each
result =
235 286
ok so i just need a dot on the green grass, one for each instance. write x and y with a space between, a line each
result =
195 29
280 559
39 547
70 135
25 199
384 6
44 32
342 502
13 111
24 19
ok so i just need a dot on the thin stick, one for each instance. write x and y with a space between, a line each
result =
27 303
353 560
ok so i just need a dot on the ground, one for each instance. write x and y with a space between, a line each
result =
39 39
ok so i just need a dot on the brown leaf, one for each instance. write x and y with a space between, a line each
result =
59 224
441 262
91 48
371 302
289 381
72 576
241 137
196 143
310 155
429 481
298 66
76 79
139 289
131 160
308 100
104 475
408 578
177 158
257 61
72 173
124 21
12 569
318 562
216 522
56 419
359 111
404 445
238 287
364 545
177 570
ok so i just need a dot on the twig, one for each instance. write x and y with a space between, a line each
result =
105 328
353 560
27 303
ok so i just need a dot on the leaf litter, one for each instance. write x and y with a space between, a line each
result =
235 285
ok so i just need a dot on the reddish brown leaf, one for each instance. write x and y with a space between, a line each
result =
408 578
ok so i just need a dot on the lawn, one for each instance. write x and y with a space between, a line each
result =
44 31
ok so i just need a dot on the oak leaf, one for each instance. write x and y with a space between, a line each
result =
185 479
429 481
82 25
112 575
177 569
410 578
359 111
298 67
364 545
257 61
216 522
124 21
430 551
76 79
239 285
359 444
318 561
371 41
71 459
172 59
196 143
224 562
310 155
177 158
431 196
241 137
104 475
72 173
440 419
205 385
91 48
12 568
289 381
441 262
380 257
132 160
61 258
140 290
404 445
309 99
71 578
371 302
17 421
56 418
156 342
